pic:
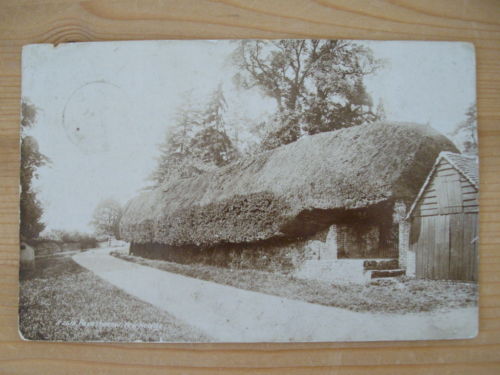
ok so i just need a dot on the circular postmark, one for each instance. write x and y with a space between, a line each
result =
93 114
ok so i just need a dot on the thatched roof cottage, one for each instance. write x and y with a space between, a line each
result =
338 188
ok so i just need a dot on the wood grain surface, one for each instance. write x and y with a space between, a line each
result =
59 21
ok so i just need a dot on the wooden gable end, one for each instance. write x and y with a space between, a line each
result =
470 197
448 189
448 192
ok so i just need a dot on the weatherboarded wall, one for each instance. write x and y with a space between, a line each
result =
444 227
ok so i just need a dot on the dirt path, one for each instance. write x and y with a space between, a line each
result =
234 315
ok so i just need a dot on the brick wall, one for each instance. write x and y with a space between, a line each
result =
358 241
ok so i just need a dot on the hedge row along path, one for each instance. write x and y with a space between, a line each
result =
229 314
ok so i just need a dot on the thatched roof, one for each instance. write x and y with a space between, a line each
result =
258 198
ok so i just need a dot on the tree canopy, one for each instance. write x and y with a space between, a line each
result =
198 141
106 218
465 132
317 84
31 160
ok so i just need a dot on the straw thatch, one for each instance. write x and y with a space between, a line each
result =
275 194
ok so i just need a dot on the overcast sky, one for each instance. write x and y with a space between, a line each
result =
104 107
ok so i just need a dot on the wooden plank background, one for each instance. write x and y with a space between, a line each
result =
58 21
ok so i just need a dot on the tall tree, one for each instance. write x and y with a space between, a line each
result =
198 142
31 160
106 218
211 144
465 133
175 159
215 109
317 84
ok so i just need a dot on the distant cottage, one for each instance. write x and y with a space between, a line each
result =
443 221
326 206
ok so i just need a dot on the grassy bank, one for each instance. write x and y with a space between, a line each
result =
401 295
63 301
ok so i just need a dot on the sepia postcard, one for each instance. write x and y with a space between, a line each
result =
248 191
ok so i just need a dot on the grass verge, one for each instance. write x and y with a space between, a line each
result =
63 301
401 295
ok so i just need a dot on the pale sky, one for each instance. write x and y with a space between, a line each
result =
104 107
